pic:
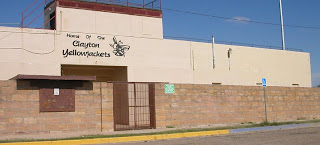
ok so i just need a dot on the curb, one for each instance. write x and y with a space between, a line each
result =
123 139
268 128
158 137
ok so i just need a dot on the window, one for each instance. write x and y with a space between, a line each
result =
52 21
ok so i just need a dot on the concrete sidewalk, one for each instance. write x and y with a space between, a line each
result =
268 128
160 136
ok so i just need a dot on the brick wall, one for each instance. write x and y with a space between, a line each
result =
189 106
197 105
19 110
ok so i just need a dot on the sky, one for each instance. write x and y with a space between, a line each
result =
296 12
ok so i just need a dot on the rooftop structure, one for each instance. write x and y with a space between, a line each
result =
117 40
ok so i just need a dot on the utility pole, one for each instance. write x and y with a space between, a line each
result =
282 29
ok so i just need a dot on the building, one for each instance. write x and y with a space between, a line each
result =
46 74
124 43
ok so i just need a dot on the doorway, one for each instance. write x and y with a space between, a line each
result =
102 73
134 106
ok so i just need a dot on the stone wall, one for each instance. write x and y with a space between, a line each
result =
198 105
19 110
190 106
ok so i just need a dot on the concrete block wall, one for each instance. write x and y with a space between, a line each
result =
289 104
190 106
19 110
203 105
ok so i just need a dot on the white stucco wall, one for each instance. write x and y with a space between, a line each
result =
249 65
27 51
77 20
150 57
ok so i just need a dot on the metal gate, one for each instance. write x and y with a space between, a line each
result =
134 106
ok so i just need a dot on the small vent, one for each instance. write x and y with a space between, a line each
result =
216 84
295 85
259 84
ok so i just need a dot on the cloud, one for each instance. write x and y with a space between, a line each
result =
241 20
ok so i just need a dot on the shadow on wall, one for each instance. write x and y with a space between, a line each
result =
55 95
37 84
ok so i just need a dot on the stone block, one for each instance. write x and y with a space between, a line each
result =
81 92
107 118
87 98
8 83
107 91
107 85
159 92
107 104
12 112
90 119
161 118
19 97
16 120
105 111
29 120
89 112
3 97
3 83
107 98
33 97
161 124
82 126
7 90
51 127
106 126
97 98
3 129
62 127
77 119
41 120
82 105
95 92
54 119
72 127
14 128
186 86
199 87
36 128
96 85
92 126
160 86
29 105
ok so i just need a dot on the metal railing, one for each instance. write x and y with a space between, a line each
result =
258 45
33 15
146 4
10 24
232 43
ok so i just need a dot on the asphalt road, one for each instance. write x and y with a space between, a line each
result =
299 136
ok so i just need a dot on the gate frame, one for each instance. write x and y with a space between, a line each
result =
151 106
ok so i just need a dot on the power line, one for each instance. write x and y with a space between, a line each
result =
33 52
169 37
230 43
9 23
218 17
235 19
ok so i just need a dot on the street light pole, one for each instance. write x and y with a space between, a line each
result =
282 29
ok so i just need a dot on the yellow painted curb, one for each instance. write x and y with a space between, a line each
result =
123 139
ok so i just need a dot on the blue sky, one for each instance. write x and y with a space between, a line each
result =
296 12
